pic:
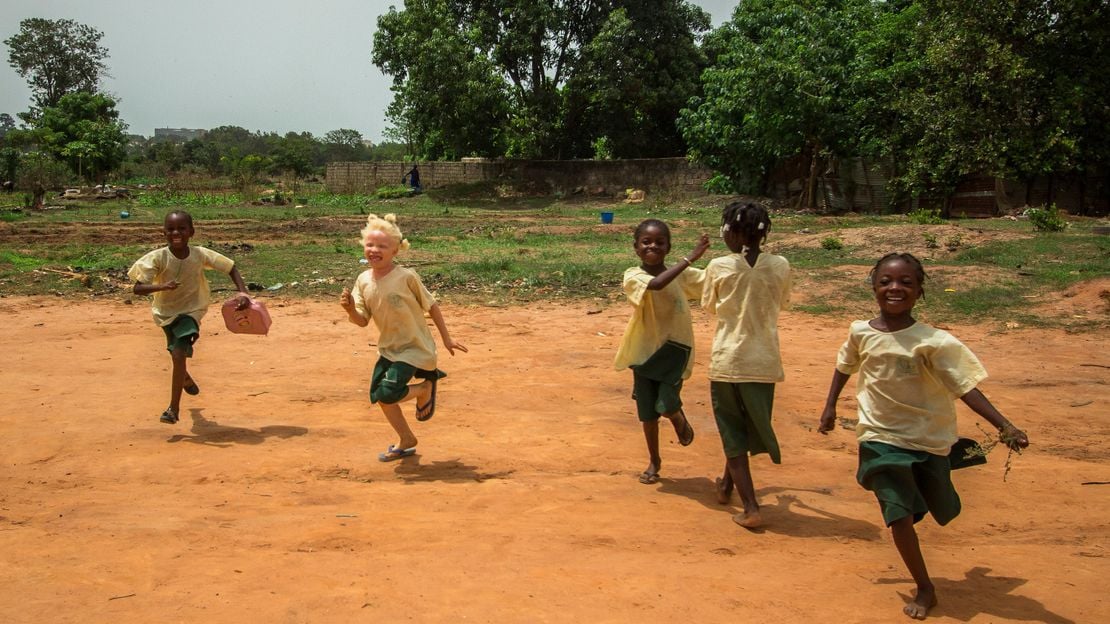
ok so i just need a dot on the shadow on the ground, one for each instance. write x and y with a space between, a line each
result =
786 515
977 593
212 433
411 470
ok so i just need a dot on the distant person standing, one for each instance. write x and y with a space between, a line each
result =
413 177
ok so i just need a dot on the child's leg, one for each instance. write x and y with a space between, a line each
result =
177 378
655 462
905 538
397 420
724 486
741 474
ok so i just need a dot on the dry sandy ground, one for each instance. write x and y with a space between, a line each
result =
267 503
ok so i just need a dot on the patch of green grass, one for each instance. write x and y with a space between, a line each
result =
1053 261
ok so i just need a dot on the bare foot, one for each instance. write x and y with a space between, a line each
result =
748 519
925 599
724 490
651 473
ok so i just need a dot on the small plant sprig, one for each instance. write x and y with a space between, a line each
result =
1007 436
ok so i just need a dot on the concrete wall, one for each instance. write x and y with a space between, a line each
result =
597 177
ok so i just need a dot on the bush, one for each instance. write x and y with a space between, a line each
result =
1046 219
832 243
925 216
392 192
719 185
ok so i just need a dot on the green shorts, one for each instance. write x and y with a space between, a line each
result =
654 398
657 382
390 381
181 334
908 482
743 414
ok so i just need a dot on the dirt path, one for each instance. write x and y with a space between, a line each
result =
267 504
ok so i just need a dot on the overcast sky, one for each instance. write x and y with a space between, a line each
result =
265 65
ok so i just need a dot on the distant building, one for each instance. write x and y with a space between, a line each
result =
178 134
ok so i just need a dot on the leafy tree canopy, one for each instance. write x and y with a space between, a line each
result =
505 77
83 130
57 57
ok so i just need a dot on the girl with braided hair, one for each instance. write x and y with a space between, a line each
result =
746 290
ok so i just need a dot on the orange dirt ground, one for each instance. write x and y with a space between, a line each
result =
266 503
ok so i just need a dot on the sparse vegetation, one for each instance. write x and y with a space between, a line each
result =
1046 219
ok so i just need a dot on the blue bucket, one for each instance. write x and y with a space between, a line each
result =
606 217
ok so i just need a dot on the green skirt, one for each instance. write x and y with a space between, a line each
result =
908 482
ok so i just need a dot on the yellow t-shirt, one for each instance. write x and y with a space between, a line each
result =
747 301
908 382
192 296
397 303
659 316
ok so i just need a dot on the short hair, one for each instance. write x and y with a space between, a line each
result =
906 257
747 217
387 224
180 213
646 223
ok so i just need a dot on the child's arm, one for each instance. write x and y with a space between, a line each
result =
347 302
149 289
448 341
828 417
1010 435
666 277
244 296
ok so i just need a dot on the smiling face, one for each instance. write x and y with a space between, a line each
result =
897 287
178 229
379 249
652 245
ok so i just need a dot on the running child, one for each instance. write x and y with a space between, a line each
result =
746 290
395 299
175 276
658 343
910 375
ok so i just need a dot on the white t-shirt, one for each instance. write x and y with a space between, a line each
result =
747 300
397 303
658 316
192 296
908 382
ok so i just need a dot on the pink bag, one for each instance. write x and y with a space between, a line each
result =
254 319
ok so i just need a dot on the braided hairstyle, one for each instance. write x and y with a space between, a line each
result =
387 224
908 258
750 220
646 223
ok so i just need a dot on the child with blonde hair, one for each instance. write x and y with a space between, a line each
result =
396 300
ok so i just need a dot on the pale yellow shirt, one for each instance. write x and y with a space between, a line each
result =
658 316
908 382
747 301
397 303
192 296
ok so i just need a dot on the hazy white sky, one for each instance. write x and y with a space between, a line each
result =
265 65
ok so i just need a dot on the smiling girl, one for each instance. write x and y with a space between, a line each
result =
658 342
910 374
395 299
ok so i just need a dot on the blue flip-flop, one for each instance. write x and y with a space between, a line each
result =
393 453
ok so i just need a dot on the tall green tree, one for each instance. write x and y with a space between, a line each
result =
57 57
778 85
83 130
448 100
633 78
498 77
